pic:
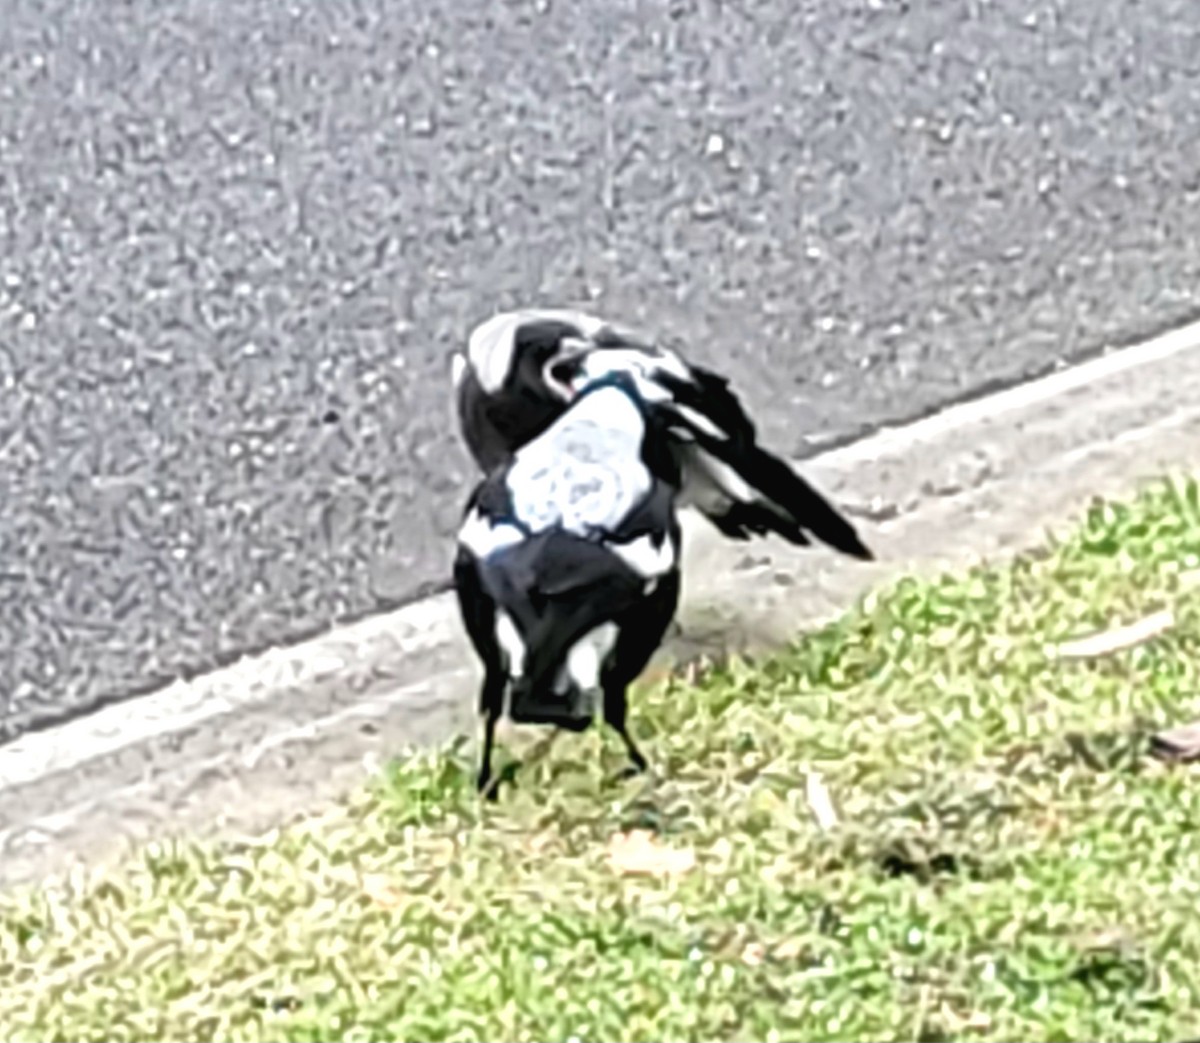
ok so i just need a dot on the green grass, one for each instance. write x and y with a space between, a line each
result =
1009 863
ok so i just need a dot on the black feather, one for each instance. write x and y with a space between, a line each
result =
790 507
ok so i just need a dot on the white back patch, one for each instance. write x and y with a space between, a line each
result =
585 471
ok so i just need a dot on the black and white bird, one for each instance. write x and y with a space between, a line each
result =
567 569
523 368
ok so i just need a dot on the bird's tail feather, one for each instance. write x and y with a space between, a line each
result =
565 622
557 588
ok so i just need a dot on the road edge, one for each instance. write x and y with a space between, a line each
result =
249 746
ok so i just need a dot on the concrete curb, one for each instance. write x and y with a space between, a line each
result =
285 732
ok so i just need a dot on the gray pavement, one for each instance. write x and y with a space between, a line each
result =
238 239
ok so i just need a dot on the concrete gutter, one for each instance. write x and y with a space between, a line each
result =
286 732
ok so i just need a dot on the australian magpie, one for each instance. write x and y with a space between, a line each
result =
567 568
522 369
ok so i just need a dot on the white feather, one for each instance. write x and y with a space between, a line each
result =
483 537
587 657
710 484
509 640
490 351
701 422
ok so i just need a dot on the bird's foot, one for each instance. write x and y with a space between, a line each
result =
636 766
488 788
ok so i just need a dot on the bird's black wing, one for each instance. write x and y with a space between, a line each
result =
486 442
763 494
740 487
708 393
786 504
654 516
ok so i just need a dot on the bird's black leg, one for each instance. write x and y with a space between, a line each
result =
614 714
490 703
485 761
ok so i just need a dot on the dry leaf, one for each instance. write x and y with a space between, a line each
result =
1177 744
975 1021
541 842
381 890
753 954
1106 939
1189 580
1117 640
978 1020
637 852
818 800
788 949
440 851
657 674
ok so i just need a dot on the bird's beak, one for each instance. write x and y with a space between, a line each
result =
563 367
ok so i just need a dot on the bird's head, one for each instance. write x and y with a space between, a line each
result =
539 353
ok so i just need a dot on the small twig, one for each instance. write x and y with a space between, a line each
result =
1119 639
819 801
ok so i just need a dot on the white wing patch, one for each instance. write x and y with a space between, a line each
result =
483 537
648 559
710 483
702 423
584 472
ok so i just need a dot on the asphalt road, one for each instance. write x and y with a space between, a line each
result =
239 238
